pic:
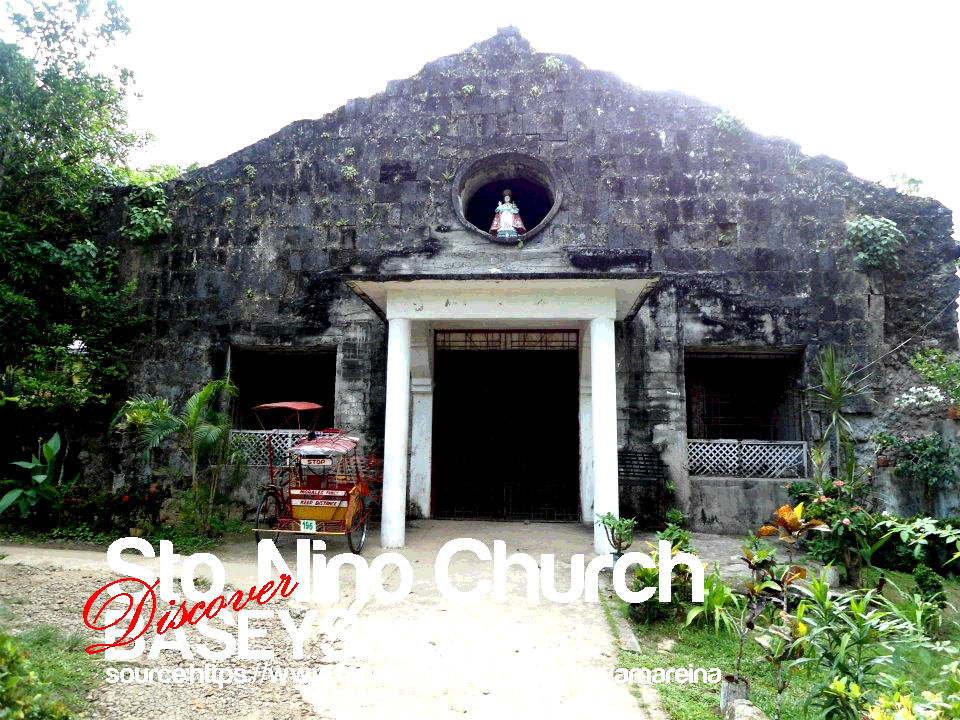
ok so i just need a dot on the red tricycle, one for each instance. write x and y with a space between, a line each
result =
319 484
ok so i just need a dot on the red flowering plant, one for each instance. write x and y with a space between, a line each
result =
137 504
845 505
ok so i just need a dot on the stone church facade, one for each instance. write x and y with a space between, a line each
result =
657 323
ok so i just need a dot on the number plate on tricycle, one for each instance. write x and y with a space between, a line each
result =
308 526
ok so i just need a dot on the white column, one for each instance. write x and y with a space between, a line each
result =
586 454
603 382
396 434
421 444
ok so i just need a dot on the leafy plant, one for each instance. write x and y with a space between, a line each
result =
843 505
927 460
619 531
200 434
653 611
676 536
916 533
729 124
553 65
837 389
941 705
940 370
782 644
674 516
46 482
22 693
883 442
789 525
147 214
63 134
905 184
250 171
349 173
929 585
468 90
721 605
851 638
875 241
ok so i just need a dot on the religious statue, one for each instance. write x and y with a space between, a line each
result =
506 219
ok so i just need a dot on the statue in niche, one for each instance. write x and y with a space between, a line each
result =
506 219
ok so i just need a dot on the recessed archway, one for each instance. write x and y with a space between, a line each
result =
479 186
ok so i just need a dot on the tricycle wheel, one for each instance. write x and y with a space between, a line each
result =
358 535
268 517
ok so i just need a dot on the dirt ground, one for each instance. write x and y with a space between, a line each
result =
425 656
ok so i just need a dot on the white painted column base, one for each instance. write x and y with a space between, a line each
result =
586 454
421 445
396 435
603 383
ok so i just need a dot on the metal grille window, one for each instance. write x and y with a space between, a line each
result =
507 339
743 396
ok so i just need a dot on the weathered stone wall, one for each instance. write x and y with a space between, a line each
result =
745 230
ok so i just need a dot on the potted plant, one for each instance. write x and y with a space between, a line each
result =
883 445
619 533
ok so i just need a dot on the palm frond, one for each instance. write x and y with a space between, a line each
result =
207 436
139 411
158 429
203 402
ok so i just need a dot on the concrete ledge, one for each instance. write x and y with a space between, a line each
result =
733 506
743 710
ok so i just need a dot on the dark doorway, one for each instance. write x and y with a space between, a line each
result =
264 376
506 434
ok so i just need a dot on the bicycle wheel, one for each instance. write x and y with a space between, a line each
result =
358 535
268 517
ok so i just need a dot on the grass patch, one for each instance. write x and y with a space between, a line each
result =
702 648
57 657
905 581
183 540
608 614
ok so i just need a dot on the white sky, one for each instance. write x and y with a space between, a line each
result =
873 84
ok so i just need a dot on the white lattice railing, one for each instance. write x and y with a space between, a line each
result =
747 458
254 444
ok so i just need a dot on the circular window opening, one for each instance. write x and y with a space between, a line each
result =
479 187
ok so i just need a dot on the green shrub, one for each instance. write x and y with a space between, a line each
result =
721 606
929 584
22 695
897 554
674 516
728 124
676 536
801 490
940 370
875 241
928 460
147 214
619 531
653 611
